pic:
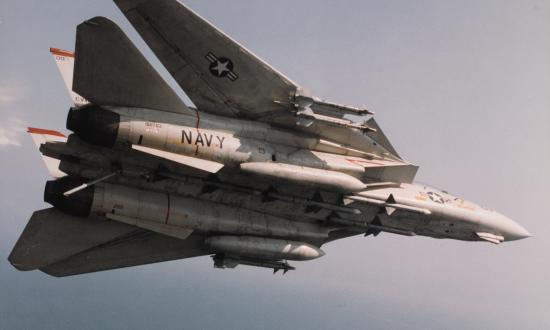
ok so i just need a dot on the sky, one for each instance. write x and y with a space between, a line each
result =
461 88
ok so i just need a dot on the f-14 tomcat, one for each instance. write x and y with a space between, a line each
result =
260 173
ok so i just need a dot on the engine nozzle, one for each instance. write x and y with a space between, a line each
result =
78 204
94 125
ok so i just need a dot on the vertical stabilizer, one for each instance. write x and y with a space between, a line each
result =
41 136
65 63
110 70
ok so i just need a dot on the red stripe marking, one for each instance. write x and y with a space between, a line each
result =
33 130
61 52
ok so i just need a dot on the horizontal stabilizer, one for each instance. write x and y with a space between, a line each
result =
64 245
143 249
51 236
41 136
201 164
110 70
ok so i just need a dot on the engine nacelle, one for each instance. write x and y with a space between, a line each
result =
150 209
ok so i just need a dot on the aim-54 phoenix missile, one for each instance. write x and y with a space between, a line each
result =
263 247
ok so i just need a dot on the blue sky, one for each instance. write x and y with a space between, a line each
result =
462 88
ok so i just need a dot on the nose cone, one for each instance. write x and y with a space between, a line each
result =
512 231
500 228
508 228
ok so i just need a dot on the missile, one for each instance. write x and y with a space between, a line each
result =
172 214
262 247
390 203
222 261
307 176
374 225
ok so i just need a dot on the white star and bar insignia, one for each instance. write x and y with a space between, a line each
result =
436 197
221 67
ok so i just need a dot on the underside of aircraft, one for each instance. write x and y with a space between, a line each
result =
258 172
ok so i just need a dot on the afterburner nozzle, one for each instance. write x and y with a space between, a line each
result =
94 125
78 204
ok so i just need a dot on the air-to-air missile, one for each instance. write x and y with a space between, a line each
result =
261 172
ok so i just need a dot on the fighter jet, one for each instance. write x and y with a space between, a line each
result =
258 172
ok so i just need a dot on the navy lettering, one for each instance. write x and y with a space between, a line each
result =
221 141
199 140
208 141
185 137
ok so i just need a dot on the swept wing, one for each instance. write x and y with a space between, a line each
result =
218 74
222 77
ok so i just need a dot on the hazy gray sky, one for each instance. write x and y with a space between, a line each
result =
462 88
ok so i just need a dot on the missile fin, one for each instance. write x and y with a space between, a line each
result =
266 198
390 210
312 209
317 197
371 231
208 189
347 201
